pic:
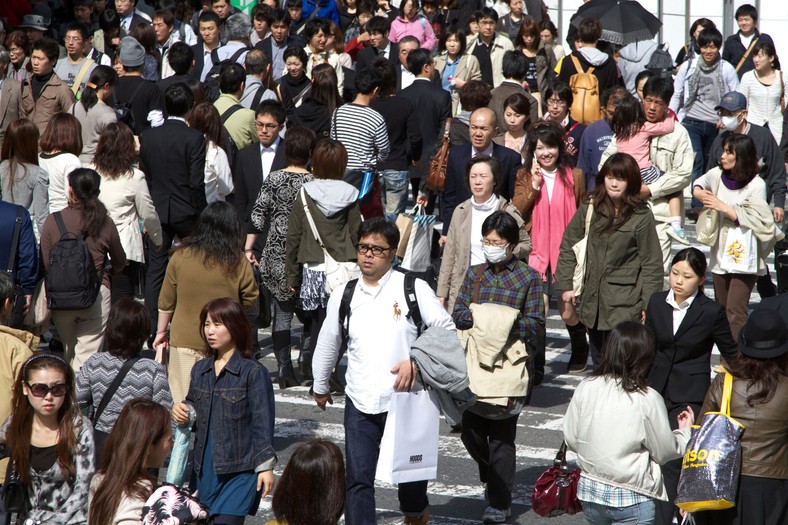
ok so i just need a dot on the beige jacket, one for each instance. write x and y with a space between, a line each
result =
16 347
457 250
496 362
468 69
500 45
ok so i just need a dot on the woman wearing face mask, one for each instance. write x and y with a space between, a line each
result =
739 195
500 304
464 246
547 192
623 266
765 90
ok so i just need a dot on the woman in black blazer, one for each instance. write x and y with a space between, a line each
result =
681 372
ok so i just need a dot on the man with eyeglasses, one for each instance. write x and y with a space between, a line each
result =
379 337
489 47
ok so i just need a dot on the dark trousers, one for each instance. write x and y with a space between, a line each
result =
702 135
3 516
596 342
226 519
363 433
490 442
159 257
733 291
124 284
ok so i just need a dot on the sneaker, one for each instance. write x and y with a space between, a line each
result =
493 515
678 234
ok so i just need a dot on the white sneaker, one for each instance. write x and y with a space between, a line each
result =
493 515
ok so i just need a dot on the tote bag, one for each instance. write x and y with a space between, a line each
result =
418 247
707 228
740 253
580 248
409 447
710 468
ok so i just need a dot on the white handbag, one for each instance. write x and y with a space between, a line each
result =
580 248
337 273
740 253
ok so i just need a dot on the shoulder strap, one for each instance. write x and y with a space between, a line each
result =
477 282
215 56
576 62
136 90
589 214
258 96
344 308
15 241
727 390
414 312
60 224
81 75
113 388
230 112
747 53
309 218
238 53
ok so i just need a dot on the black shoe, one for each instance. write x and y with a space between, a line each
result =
287 378
56 346
334 386
575 367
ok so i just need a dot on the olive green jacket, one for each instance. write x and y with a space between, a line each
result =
623 267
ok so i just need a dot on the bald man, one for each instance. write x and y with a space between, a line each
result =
483 126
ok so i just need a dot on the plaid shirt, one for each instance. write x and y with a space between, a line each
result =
517 285
595 491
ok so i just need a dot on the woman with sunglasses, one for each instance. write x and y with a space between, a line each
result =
50 442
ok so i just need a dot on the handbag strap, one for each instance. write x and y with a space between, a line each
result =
113 388
747 53
560 457
589 214
309 218
477 282
727 390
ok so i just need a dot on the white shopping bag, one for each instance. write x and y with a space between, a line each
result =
409 448
740 253
417 251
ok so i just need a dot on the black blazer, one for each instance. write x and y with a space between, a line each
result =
778 303
265 45
433 106
366 57
681 371
135 21
247 179
199 60
457 190
172 156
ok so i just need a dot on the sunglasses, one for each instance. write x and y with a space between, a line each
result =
42 390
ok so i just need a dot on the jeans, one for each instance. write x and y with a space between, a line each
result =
640 513
363 433
702 135
394 186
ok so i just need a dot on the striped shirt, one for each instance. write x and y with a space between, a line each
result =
362 131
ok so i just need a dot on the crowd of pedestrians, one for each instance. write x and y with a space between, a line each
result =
177 177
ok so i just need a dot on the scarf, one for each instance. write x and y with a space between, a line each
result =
549 220
732 184
706 70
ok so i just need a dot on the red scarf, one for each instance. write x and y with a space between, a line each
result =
549 220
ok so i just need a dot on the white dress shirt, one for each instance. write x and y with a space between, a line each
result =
379 337
679 310
407 77
267 155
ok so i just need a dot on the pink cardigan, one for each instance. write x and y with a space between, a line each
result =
419 27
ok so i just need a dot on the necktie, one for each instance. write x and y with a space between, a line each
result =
124 25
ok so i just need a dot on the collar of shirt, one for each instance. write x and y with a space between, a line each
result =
178 118
271 148
374 290
127 20
486 151
685 304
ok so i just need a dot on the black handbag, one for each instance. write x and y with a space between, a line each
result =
15 492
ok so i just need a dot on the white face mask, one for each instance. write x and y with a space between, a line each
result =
494 254
730 123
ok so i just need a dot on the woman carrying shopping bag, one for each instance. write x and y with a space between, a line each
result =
500 305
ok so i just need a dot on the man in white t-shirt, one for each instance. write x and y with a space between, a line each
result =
75 69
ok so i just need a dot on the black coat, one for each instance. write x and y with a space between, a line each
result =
457 190
433 105
247 179
172 156
681 371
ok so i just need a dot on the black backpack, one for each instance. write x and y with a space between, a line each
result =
123 110
71 281
229 146
661 63
211 82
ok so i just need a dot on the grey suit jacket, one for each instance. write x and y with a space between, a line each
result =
10 97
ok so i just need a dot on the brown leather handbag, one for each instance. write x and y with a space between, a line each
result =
436 172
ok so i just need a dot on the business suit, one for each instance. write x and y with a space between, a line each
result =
199 60
457 189
135 21
433 106
172 156
681 371
247 179
367 56
10 104
266 46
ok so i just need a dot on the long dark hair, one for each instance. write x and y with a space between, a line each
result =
761 374
627 356
204 117
217 237
311 490
551 134
141 424
324 89
628 118
230 313
101 76
623 167
20 147
115 152
746 167
85 184
21 427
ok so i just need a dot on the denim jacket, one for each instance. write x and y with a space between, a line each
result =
242 418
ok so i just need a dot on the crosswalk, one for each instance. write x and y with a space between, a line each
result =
457 496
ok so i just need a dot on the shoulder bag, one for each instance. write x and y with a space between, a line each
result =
707 229
337 273
436 171
580 248
100 437
14 492
555 492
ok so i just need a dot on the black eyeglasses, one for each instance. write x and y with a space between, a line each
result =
42 390
377 251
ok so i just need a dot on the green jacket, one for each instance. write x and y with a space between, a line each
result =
240 125
623 267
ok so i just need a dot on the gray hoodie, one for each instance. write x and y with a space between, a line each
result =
331 196
632 59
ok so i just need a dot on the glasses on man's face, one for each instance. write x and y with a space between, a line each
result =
496 244
15 50
260 125
377 251
73 39
555 103
42 390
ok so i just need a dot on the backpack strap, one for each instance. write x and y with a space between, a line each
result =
344 308
414 312
235 56
258 97
113 388
60 224
15 241
215 57
229 112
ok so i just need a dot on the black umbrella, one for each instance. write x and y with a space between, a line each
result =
623 21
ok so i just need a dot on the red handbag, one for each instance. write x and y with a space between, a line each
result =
555 492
